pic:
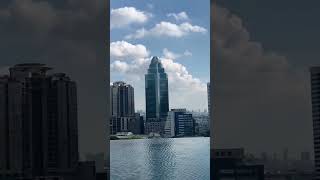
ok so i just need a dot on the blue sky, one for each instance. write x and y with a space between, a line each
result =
176 31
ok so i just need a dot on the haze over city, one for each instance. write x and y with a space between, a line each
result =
262 83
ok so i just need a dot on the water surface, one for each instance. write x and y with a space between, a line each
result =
157 159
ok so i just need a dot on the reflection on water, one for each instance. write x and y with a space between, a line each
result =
156 159
160 158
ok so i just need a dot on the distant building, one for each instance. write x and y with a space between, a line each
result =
209 103
136 124
202 124
315 94
179 123
285 154
122 99
38 121
157 97
170 129
230 164
264 156
275 156
122 106
98 158
305 156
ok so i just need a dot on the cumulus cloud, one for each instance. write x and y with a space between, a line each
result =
123 49
256 92
182 16
180 79
120 66
171 55
125 16
187 53
167 29
183 86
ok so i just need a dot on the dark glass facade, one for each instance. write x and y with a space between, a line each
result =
315 92
157 94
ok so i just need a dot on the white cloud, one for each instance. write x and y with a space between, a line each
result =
187 53
125 16
167 29
171 55
120 66
124 50
180 16
180 80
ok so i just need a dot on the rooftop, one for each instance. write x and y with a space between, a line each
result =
120 83
30 67
154 60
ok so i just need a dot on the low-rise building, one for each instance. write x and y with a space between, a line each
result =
230 164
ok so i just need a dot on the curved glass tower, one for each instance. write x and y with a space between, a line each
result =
157 97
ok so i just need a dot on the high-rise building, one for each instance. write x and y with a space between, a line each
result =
315 94
124 118
38 121
122 99
202 121
10 127
179 123
122 108
157 97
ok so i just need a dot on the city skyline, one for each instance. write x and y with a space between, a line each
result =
169 35
264 101
157 119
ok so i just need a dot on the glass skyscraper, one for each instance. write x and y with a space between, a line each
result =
157 97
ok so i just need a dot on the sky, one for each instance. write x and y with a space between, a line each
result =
262 84
175 31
